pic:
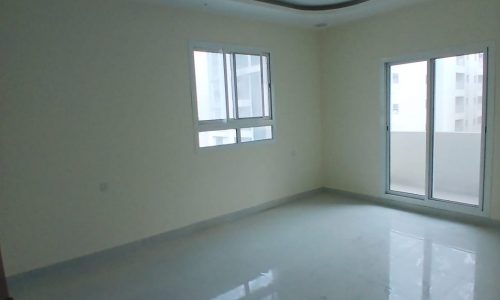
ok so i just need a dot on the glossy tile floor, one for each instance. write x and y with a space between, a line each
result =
322 247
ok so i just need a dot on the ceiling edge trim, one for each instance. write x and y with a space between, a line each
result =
304 7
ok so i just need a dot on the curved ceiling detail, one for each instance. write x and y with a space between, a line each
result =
313 7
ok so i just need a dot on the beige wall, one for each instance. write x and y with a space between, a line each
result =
99 92
352 57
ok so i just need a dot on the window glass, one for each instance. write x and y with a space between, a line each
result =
249 86
408 120
460 81
230 84
256 134
457 131
436 144
217 137
210 86
266 89
233 96
459 104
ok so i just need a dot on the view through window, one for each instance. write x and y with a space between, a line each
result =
233 96
448 159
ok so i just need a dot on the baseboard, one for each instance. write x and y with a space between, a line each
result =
162 237
106 254
415 208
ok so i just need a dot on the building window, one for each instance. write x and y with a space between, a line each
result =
231 95
479 79
460 81
459 125
459 104
395 78
395 108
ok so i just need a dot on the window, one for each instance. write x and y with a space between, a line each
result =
408 128
459 104
479 79
460 80
231 95
395 108
459 125
256 134
395 78
217 137
435 145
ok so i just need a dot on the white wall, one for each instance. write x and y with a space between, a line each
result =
99 92
352 57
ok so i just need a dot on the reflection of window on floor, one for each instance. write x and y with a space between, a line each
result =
259 287
419 265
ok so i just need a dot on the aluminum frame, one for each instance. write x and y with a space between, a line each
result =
236 122
483 209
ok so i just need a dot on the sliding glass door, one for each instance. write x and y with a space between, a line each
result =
436 113
408 127
458 128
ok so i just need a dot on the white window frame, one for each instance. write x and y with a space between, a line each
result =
483 209
234 123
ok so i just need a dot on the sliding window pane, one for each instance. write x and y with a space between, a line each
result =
249 86
458 117
217 137
408 119
265 77
210 85
256 134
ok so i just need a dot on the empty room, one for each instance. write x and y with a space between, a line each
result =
249 149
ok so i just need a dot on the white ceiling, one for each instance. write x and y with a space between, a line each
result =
266 12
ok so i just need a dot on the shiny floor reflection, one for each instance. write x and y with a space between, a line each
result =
321 247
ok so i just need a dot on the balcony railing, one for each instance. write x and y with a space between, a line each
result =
456 166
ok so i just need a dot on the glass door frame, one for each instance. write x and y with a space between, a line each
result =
483 209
